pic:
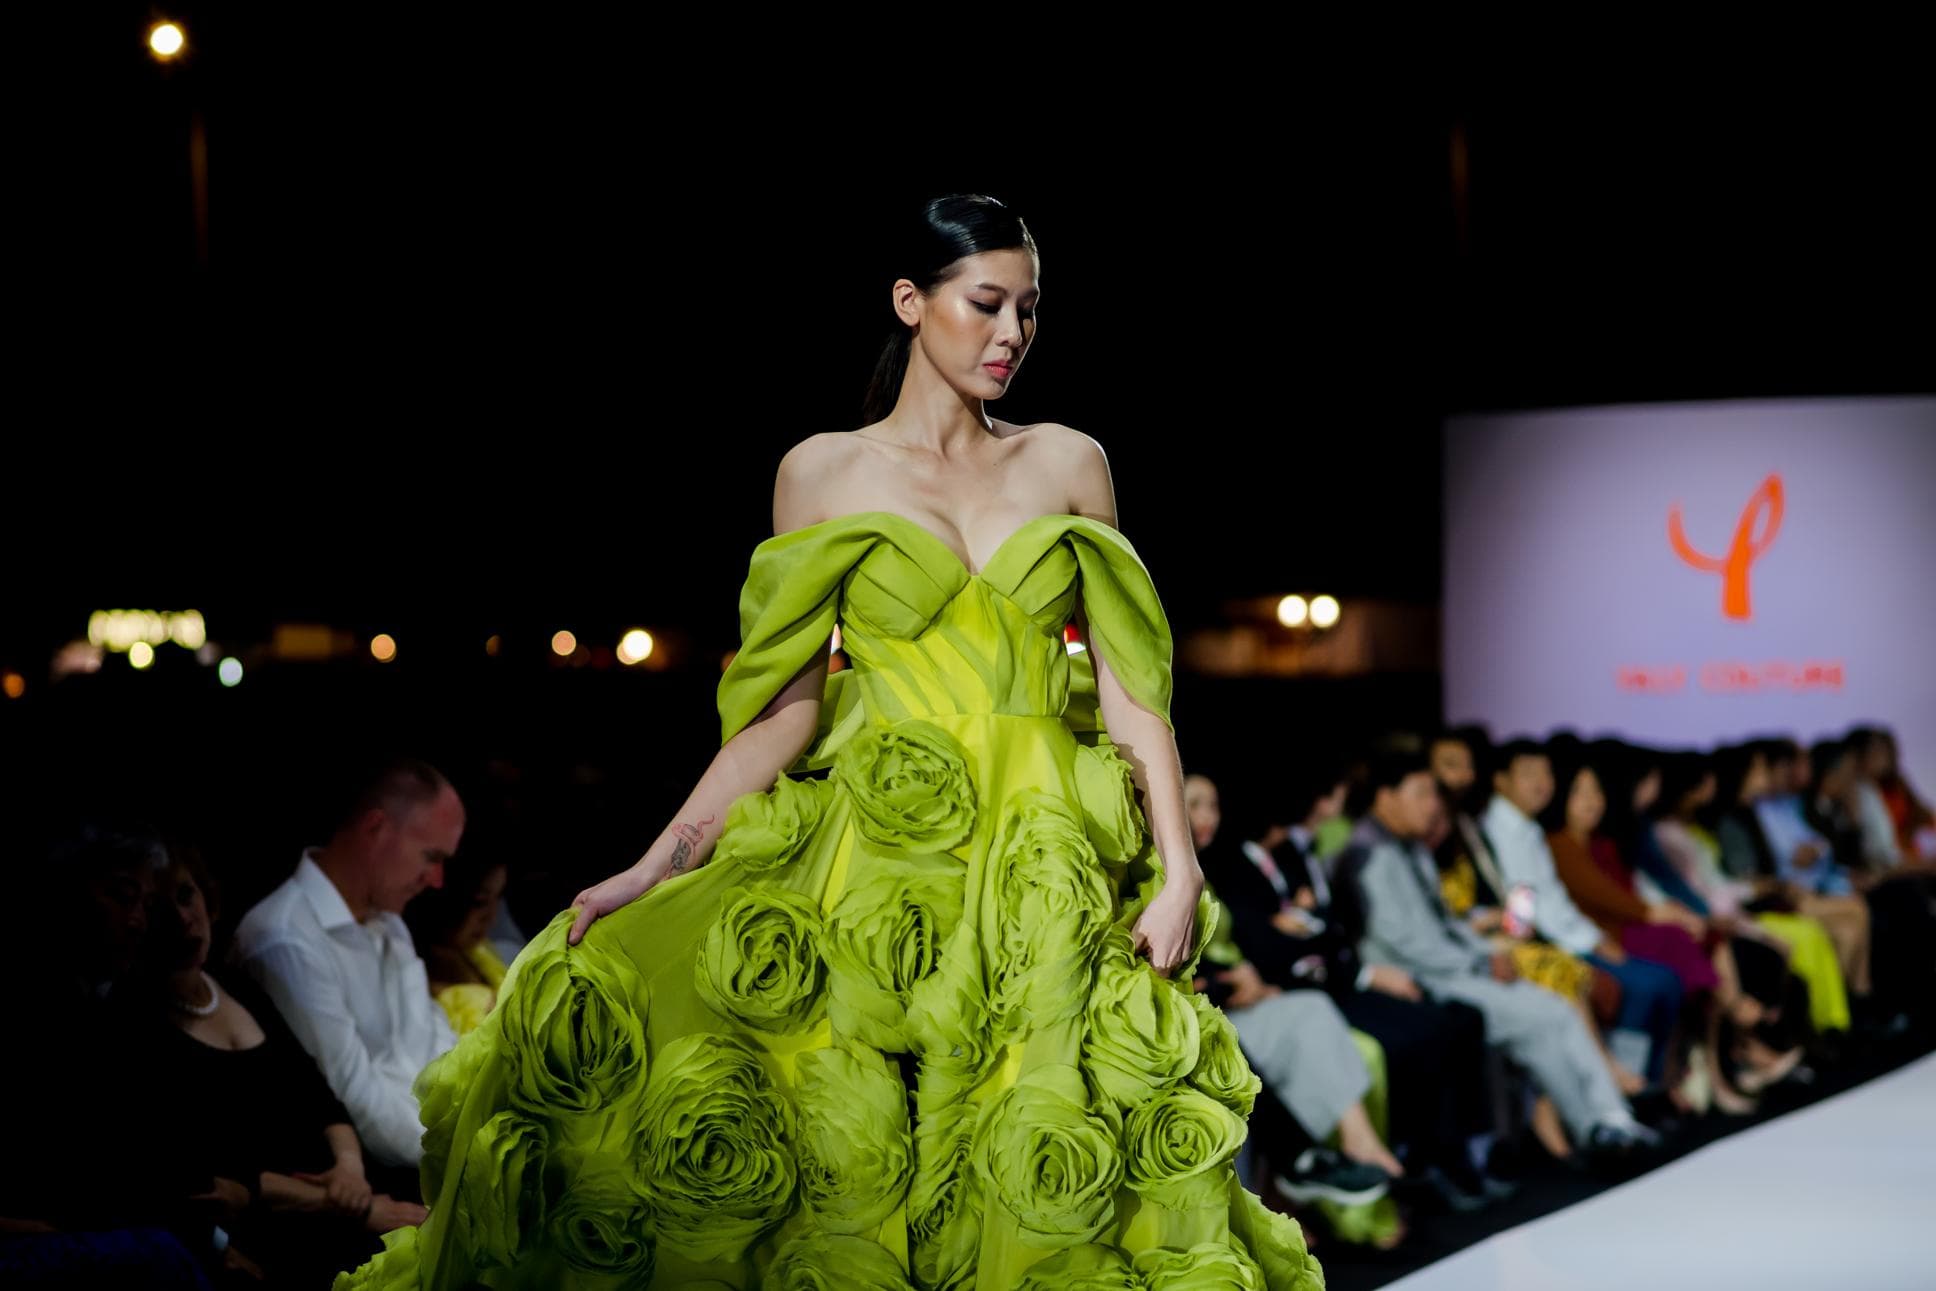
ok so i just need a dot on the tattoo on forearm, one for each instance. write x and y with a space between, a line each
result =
689 837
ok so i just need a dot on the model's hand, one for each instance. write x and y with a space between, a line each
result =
620 890
1166 930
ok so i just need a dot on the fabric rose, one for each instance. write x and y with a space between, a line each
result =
715 1147
760 963
504 1186
440 1089
1274 1240
910 785
1052 1158
1081 1268
394 1269
1049 906
949 1021
883 938
1142 1033
599 1225
855 1154
832 1262
573 1022
1106 789
944 1204
1175 1145
1209 1266
764 831
1222 1071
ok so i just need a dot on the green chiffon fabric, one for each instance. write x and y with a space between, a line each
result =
893 1034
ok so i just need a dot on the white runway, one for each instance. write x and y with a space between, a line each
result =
1841 1195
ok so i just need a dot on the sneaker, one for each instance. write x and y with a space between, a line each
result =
1322 1174
1620 1141
1460 1196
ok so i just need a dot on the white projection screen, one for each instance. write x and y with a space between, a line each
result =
1684 575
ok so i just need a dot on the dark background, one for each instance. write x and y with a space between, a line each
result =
505 320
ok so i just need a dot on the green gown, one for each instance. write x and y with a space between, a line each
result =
893 1033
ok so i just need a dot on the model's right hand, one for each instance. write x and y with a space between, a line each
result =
595 902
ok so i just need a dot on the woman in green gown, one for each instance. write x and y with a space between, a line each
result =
894 1002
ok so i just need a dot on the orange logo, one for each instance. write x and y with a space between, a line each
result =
1743 552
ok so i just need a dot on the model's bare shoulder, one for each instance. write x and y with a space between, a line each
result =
1081 467
800 485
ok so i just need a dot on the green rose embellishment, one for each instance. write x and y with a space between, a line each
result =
944 1203
714 1147
1222 1071
574 1029
1081 1268
1142 1034
832 1262
600 1226
1051 1159
855 1154
1175 1146
440 1088
504 1186
910 785
1106 789
1049 906
760 963
395 1269
766 830
1210 1266
883 939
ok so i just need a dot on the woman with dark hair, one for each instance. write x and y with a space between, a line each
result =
451 927
1657 931
901 996
1746 779
264 1123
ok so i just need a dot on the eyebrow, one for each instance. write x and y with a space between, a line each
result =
989 286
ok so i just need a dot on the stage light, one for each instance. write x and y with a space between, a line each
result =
635 647
188 630
1292 611
1325 611
563 644
14 684
166 40
383 648
230 671
141 655
493 645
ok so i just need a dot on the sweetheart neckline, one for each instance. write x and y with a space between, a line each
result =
954 557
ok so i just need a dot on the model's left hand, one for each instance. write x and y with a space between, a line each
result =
1166 931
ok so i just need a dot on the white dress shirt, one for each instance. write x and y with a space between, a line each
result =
357 997
1519 846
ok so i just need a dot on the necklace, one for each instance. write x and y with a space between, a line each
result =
201 1010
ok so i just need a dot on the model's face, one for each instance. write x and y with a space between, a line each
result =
976 327
1201 805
